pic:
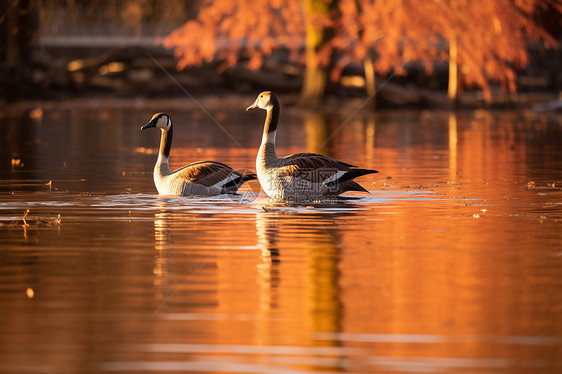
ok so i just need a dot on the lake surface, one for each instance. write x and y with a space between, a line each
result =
453 263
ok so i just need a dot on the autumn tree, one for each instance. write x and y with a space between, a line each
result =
385 36
487 41
482 41
231 31
320 20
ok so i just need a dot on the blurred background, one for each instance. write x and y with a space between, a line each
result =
426 54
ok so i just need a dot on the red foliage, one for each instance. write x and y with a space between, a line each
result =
224 29
492 35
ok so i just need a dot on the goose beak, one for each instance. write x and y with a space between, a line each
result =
152 123
253 106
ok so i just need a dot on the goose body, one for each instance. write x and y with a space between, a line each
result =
301 177
199 178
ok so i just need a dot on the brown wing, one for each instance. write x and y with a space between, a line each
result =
317 168
311 161
206 173
313 167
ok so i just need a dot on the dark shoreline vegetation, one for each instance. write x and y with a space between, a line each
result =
131 73
54 51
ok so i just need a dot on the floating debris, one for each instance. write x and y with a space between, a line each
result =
25 184
552 186
25 224
30 293
27 221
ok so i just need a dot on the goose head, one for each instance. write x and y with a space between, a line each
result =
266 100
160 120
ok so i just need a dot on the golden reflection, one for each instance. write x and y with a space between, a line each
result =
489 147
162 241
370 140
278 272
453 140
268 269
299 253
318 134
484 293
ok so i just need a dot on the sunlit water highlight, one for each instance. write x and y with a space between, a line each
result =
453 263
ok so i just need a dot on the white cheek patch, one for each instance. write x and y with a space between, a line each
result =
269 137
334 178
164 123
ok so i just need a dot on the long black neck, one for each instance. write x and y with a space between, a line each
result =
272 117
166 142
267 151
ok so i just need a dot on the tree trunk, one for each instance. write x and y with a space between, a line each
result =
17 33
315 79
453 92
317 36
370 83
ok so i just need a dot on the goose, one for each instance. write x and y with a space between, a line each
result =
301 177
207 178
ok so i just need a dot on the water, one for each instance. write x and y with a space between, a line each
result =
452 264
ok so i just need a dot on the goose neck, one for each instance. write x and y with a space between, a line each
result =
166 142
164 151
270 126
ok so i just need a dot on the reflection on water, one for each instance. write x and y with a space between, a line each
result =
314 268
452 264
453 141
318 134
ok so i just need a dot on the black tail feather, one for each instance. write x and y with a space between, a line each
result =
354 186
236 183
352 174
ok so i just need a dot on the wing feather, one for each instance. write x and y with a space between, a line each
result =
312 167
317 168
315 160
206 173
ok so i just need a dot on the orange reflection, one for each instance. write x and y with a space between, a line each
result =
453 141
303 278
281 291
264 289
318 134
